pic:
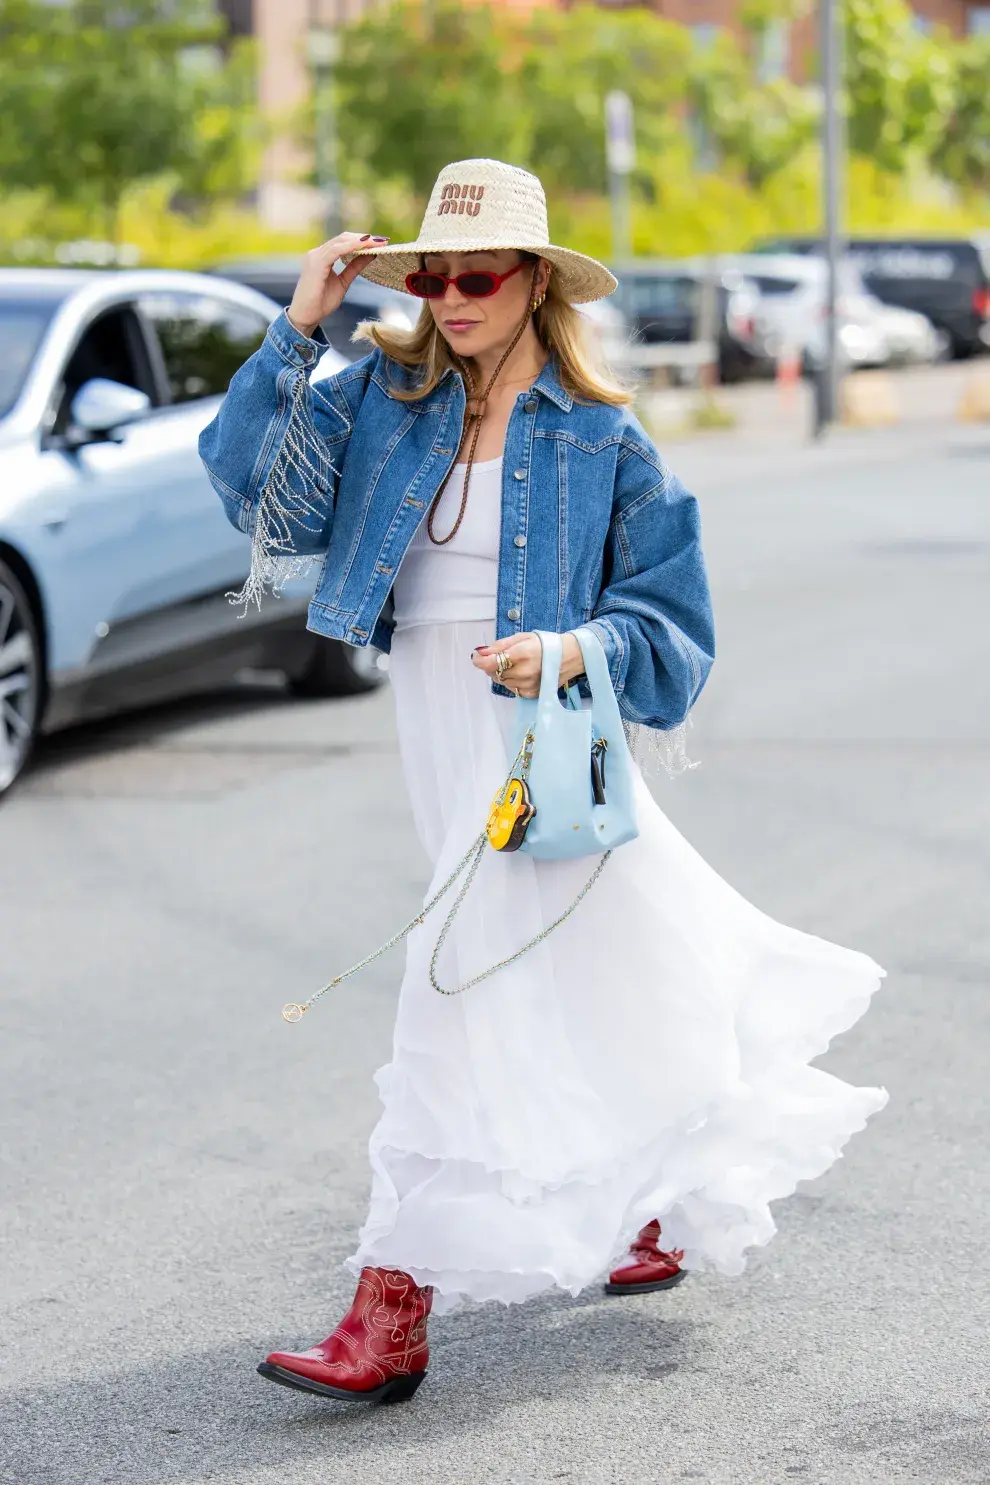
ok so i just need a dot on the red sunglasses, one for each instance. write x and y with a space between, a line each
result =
476 283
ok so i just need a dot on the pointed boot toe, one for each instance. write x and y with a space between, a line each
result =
378 1353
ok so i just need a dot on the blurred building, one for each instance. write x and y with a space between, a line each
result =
283 29
295 36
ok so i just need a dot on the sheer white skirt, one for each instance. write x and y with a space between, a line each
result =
649 1059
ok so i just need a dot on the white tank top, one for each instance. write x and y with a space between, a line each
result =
458 581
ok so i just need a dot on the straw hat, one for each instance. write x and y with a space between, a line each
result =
487 204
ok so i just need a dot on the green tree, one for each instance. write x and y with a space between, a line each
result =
572 60
756 127
98 95
417 86
962 154
899 84
227 132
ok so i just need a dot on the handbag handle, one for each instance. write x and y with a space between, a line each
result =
608 719
553 654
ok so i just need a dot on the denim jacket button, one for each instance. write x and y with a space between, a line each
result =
513 614
520 474
531 405
520 541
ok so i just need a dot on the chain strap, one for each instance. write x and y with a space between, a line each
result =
519 952
524 758
294 1012
469 862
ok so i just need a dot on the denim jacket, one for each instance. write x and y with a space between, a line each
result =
594 528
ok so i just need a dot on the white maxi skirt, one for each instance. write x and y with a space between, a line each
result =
648 1059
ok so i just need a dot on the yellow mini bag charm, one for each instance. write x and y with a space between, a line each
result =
510 816
512 808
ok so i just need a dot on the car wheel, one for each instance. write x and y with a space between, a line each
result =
20 677
336 669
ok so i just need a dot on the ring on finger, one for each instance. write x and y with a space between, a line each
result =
502 664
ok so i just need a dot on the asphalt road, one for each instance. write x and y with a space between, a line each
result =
183 1173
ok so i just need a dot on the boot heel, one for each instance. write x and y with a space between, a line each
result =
401 1389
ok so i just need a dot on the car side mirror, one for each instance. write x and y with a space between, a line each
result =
101 405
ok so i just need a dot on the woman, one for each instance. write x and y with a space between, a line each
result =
465 484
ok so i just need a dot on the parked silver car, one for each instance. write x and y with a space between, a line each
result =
790 312
115 554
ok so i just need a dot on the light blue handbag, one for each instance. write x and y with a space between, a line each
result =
569 793
572 750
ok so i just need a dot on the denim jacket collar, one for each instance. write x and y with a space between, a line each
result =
548 383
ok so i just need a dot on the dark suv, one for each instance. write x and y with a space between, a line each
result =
945 278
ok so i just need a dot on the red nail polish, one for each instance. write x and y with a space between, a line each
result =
365 237
380 239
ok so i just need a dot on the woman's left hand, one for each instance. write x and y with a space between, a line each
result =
526 654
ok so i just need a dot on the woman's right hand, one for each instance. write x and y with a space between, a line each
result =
320 290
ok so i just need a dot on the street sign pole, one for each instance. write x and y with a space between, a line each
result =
620 153
323 49
827 399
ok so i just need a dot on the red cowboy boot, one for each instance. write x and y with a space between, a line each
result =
652 1268
378 1353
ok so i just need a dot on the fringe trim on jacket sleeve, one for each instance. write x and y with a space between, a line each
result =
656 750
297 493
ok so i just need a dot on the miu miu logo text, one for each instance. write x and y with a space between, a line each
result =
462 200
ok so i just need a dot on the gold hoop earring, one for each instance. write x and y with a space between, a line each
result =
535 304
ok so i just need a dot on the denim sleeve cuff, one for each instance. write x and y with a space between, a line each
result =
613 647
302 351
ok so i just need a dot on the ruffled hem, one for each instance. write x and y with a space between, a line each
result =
711 1188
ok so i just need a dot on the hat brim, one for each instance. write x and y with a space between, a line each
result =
580 279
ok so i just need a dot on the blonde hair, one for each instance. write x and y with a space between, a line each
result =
561 330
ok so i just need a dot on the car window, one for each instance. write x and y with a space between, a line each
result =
660 295
773 245
112 347
21 329
771 286
203 340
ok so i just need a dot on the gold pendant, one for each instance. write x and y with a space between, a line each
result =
292 1012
